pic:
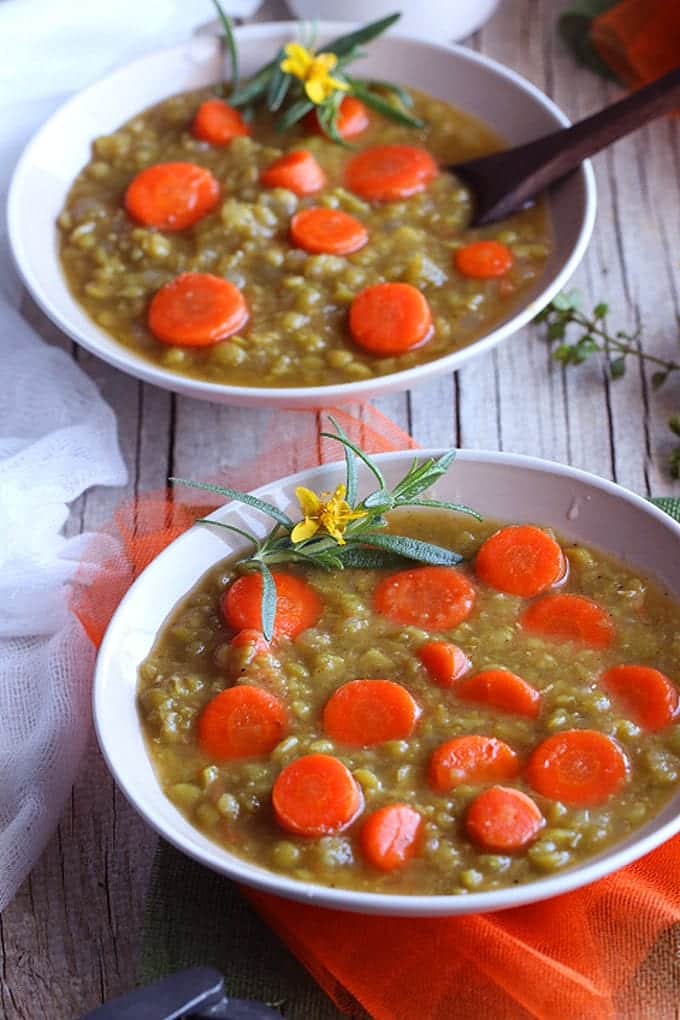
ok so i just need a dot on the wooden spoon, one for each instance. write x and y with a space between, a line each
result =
505 181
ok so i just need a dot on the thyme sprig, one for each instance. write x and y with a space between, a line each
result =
347 531
300 79
579 335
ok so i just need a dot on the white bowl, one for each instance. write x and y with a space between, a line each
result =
513 107
579 505
433 21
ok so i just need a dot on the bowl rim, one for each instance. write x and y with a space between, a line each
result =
132 363
388 904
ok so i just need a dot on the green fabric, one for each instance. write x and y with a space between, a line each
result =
194 916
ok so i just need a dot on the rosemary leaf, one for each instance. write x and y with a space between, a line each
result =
241 497
268 606
349 445
231 44
327 115
255 88
295 112
229 527
279 83
344 43
441 505
383 107
414 549
396 90
350 464
367 558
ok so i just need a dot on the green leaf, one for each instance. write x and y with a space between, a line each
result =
350 463
295 112
241 497
395 90
414 549
383 107
674 424
439 504
674 463
658 379
327 115
229 527
268 606
556 330
367 558
379 500
231 44
600 311
344 43
349 445
255 88
574 27
562 303
617 367
279 83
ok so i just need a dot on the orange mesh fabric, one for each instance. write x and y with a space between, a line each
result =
607 952
639 39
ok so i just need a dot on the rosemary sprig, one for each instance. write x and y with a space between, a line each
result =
340 531
299 80
580 335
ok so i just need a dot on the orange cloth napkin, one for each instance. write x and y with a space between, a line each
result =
606 952
639 39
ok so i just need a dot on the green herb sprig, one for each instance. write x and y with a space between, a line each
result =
345 531
579 335
300 79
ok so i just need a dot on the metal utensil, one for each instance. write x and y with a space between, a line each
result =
198 993
505 181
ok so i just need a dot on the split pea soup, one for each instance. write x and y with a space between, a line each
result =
423 730
248 257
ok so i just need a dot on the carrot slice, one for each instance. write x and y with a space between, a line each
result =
218 123
353 118
436 598
390 318
569 618
367 712
390 837
197 310
503 820
316 795
471 760
172 196
241 722
444 661
327 231
387 173
501 689
483 260
646 695
253 641
581 768
296 171
297 604
520 560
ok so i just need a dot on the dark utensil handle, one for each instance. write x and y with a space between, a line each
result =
175 996
507 180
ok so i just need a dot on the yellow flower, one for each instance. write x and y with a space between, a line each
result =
331 514
314 71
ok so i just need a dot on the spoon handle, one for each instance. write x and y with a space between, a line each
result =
505 181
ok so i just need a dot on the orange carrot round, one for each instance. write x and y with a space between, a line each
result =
218 123
297 604
390 837
241 722
435 598
645 695
472 760
196 310
501 689
569 618
352 119
390 318
327 232
445 662
362 713
388 173
253 640
316 795
520 560
296 171
503 820
483 260
172 196
580 768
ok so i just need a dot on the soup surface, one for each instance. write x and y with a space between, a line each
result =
297 333
562 799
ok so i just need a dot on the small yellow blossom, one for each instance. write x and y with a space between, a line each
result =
326 513
313 70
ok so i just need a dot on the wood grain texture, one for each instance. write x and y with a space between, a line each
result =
69 939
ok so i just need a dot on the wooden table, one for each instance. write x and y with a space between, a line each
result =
69 939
